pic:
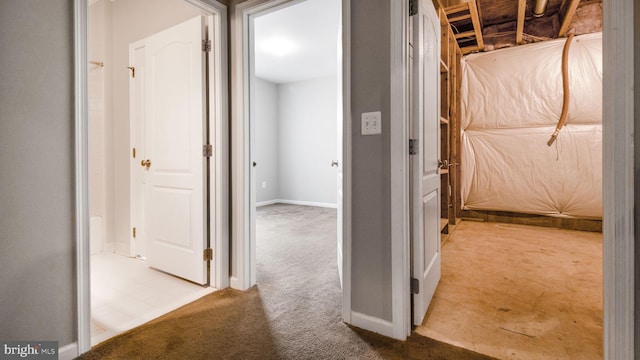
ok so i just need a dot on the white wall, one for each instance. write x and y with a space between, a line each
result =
308 140
266 140
296 140
100 114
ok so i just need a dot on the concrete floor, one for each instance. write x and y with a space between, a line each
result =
519 292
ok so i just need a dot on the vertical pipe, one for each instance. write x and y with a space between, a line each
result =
540 7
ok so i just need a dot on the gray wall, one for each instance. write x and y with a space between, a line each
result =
636 140
37 281
308 140
371 168
266 140
296 140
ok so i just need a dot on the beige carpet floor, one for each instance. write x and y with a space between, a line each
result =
520 292
293 313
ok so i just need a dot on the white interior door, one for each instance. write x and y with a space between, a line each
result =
175 119
426 176
138 172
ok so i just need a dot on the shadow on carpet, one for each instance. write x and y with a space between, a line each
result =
232 324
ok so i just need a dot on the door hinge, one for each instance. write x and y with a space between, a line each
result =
208 254
413 7
415 286
206 45
207 150
133 71
133 152
134 232
413 146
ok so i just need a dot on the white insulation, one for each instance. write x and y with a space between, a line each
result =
511 104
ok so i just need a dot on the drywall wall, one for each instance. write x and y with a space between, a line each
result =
133 20
371 166
266 140
307 133
636 138
37 281
100 85
296 140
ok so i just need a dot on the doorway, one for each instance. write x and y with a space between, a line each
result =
122 37
245 165
496 268
295 109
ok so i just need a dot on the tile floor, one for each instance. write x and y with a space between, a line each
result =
126 293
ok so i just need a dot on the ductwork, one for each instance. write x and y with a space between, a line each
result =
540 7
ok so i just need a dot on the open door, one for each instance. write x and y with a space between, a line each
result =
426 144
175 119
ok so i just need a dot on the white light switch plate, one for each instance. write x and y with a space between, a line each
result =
372 123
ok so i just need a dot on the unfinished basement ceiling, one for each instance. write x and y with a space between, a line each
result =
499 21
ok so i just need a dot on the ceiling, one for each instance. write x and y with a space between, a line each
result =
298 42
499 20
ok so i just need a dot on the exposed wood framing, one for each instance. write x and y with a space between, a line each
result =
522 6
473 10
463 13
568 16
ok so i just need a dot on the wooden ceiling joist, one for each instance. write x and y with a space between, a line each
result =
568 16
473 10
522 7
463 13
465 34
459 18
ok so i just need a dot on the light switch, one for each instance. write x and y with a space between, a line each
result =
372 123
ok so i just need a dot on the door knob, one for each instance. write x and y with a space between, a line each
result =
254 164
146 163
334 163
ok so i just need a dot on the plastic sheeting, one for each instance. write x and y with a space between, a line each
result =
511 104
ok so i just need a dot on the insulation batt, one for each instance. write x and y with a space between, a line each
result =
511 103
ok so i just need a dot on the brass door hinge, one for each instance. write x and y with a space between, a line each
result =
206 45
207 150
133 152
134 232
208 254
133 71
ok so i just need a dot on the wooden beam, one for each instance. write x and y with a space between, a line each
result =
473 10
460 17
568 16
522 7
470 33
469 49
456 8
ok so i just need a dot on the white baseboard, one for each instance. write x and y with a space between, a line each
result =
68 352
296 202
268 202
235 283
374 324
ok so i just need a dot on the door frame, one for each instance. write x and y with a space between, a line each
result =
243 254
218 182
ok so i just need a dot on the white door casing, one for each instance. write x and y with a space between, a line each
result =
175 119
138 173
339 157
426 175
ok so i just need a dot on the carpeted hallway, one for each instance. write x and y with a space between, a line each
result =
293 313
